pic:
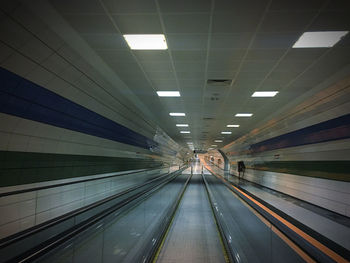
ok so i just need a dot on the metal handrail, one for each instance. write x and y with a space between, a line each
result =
75 182
84 224
37 228
309 248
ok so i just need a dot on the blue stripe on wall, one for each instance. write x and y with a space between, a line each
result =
25 99
334 129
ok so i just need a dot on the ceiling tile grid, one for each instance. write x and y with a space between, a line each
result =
247 41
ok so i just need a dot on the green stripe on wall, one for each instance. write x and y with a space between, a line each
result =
335 170
23 168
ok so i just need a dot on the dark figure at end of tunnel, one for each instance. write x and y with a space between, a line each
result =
241 169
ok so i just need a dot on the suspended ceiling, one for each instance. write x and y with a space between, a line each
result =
247 41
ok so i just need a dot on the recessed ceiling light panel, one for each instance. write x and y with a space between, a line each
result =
226 132
168 93
232 125
264 93
319 39
181 125
218 141
146 42
177 114
185 132
244 115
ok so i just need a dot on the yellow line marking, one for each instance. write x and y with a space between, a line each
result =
227 260
294 246
297 230
170 224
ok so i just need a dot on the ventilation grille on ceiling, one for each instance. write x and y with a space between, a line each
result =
208 118
219 82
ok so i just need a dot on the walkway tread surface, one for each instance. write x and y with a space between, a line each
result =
193 235
316 218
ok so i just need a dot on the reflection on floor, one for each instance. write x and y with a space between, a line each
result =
332 225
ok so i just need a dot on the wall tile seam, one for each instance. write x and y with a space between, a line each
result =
279 187
301 184
104 131
6 231
108 189
308 182
39 64
300 125
331 108
87 196
39 211
98 145
293 156
106 193
18 219
341 208
74 181
14 203
257 139
301 148
313 186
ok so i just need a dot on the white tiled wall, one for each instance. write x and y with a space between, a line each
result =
330 194
31 49
21 211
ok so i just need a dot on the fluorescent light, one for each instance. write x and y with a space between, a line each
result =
226 132
264 93
232 126
319 39
244 115
177 114
185 132
146 42
218 141
181 125
168 93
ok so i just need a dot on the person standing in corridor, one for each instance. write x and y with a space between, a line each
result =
241 169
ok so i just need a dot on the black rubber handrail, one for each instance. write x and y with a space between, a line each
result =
76 182
35 229
50 244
